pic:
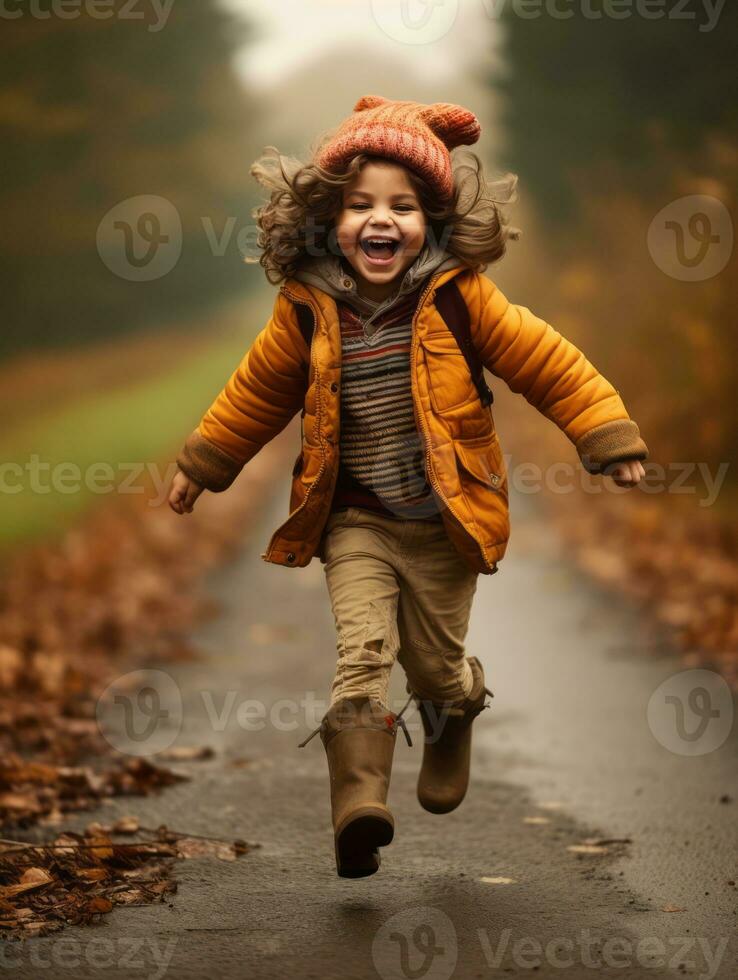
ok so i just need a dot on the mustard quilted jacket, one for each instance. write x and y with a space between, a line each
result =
279 376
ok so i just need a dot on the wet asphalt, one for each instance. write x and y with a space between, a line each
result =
565 758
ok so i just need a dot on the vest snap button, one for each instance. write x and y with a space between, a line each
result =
334 386
291 556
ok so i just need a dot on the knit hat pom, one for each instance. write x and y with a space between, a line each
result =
369 102
455 125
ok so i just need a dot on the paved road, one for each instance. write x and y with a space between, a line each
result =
565 757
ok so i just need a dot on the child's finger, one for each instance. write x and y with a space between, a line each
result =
176 496
626 474
629 473
191 495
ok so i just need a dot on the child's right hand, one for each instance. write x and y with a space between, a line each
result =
183 493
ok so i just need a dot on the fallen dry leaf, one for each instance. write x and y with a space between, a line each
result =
30 879
92 874
189 847
99 905
126 825
183 753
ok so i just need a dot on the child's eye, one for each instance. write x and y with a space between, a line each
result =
409 207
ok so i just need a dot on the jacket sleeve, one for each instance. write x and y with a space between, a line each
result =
259 399
556 378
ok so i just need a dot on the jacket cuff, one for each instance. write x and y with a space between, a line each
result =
207 465
609 443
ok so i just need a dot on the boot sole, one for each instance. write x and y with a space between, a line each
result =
435 805
357 840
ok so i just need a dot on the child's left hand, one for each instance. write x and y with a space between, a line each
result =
627 473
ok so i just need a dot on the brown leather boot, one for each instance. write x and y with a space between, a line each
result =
444 774
358 735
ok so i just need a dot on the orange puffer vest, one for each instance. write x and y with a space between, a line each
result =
280 375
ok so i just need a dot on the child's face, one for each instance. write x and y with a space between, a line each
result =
380 203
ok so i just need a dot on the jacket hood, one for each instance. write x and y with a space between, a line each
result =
334 275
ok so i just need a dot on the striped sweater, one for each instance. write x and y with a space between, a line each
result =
382 461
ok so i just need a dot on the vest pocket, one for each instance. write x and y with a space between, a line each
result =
482 459
449 379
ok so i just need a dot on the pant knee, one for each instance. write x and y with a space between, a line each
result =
437 675
366 655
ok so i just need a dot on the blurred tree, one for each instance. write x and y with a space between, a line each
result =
585 92
92 112
608 121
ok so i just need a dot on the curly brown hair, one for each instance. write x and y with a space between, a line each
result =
305 200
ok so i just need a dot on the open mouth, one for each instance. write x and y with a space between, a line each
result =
379 250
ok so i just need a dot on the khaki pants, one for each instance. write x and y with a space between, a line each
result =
399 590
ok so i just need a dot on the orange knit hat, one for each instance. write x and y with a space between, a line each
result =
416 135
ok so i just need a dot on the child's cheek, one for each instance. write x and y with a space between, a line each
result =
346 238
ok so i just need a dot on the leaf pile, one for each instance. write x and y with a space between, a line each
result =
79 877
33 791
685 573
118 592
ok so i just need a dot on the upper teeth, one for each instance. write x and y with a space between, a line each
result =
380 241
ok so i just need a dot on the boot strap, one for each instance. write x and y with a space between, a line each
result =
399 720
311 735
453 710
393 721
